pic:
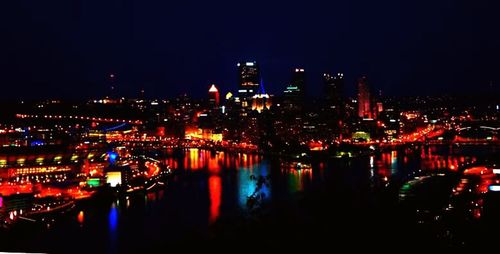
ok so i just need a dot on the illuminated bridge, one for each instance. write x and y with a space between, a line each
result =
79 118
477 133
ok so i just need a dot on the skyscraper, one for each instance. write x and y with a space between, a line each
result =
334 88
364 99
295 91
261 100
213 96
297 84
248 77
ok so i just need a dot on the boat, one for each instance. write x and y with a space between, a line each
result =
296 165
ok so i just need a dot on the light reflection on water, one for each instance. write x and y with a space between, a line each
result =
81 218
215 190
213 184
248 168
113 217
247 183
297 179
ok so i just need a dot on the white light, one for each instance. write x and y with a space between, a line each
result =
496 171
494 187
114 178
249 64
213 89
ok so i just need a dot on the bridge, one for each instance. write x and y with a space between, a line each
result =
79 118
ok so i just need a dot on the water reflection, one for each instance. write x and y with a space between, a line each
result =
209 185
215 192
248 181
151 197
80 217
431 158
113 217
298 178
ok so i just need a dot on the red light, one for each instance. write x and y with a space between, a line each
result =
215 189
80 217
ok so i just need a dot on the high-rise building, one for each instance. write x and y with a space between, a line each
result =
295 91
261 100
213 96
297 85
299 81
334 88
248 75
364 99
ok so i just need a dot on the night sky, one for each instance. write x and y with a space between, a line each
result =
65 49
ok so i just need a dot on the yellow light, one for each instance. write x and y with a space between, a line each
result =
114 178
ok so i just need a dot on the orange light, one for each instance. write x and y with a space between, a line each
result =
215 189
80 217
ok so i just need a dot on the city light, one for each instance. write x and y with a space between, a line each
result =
131 126
114 178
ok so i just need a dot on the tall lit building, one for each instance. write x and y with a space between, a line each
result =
364 99
295 91
248 76
213 96
334 88
297 85
261 100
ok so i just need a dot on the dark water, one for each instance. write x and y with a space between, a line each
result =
205 204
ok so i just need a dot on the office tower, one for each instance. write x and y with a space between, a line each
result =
296 88
364 99
261 100
213 96
248 77
295 91
334 88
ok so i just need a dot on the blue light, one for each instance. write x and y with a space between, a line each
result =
262 90
116 127
37 143
247 186
112 156
113 217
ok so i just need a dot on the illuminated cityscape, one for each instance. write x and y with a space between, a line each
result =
291 152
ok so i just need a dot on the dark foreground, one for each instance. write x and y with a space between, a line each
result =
370 202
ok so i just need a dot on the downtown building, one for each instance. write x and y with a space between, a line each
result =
248 82
295 91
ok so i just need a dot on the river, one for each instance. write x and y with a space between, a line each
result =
206 202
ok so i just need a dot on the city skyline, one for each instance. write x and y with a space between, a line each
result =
132 126
68 50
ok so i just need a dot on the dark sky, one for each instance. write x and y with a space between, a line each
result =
67 48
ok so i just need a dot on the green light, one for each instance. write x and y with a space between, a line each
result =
406 187
361 135
94 182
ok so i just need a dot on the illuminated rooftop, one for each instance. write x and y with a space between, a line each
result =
213 89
